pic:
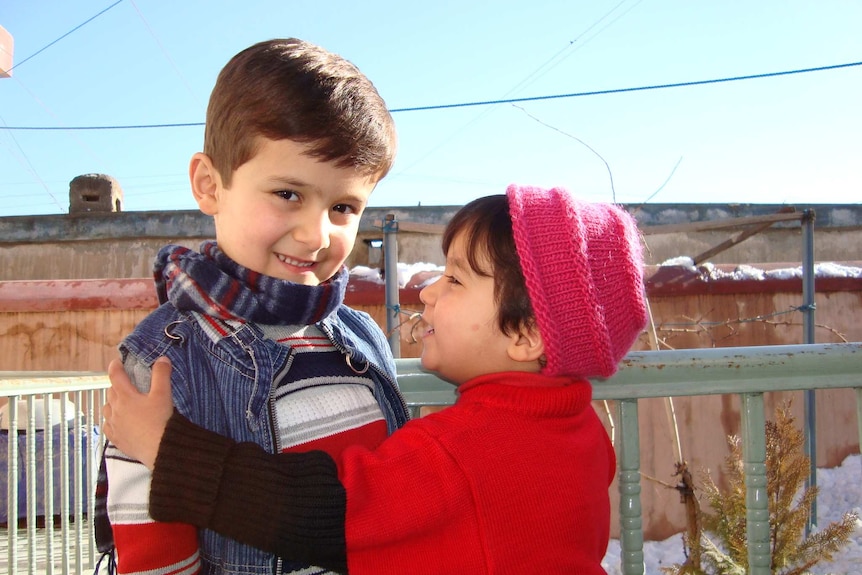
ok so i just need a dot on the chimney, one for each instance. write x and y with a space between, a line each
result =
95 193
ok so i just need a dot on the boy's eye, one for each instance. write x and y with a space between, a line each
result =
345 209
288 195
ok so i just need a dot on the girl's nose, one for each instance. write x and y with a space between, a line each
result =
428 294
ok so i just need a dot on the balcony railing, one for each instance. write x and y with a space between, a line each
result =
52 444
746 371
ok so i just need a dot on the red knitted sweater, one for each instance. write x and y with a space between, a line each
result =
511 479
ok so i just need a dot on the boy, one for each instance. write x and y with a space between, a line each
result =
262 346
539 293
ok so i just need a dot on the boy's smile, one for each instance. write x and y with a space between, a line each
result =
286 214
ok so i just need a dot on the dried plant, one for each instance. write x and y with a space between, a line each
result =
792 551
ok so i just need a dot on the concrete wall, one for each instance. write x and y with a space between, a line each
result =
76 326
122 245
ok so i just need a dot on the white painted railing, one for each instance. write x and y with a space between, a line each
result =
52 447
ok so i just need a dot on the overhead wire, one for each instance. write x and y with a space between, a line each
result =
164 50
624 90
573 46
29 165
75 29
537 73
492 102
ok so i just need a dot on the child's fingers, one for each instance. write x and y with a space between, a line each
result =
120 382
160 385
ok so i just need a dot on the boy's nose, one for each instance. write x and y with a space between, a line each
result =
313 231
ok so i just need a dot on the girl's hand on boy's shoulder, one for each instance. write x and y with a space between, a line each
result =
133 421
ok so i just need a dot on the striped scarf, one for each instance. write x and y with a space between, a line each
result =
210 282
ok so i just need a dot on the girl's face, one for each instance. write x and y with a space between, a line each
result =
462 338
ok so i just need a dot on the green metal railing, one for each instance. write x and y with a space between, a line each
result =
746 371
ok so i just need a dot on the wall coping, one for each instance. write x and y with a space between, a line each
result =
94 226
662 281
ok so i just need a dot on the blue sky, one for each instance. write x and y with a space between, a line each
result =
789 139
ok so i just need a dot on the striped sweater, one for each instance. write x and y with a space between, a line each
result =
320 405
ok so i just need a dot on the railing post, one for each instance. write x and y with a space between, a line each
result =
12 486
756 497
631 528
810 399
30 484
390 267
859 412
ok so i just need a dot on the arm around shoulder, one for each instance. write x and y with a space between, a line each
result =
292 504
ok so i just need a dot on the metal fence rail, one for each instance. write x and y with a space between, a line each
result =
746 371
51 458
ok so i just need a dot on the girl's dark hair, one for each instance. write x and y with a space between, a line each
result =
489 242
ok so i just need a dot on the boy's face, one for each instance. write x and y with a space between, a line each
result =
462 338
286 214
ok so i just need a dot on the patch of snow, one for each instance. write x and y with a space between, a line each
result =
366 273
407 271
708 270
748 272
681 261
840 492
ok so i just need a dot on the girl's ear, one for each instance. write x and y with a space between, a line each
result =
206 183
527 345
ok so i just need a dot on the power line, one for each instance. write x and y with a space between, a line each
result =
79 26
574 45
127 127
28 165
493 102
623 90
546 67
164 51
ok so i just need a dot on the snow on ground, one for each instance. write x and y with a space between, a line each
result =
742 272
747 272
840 492
405 273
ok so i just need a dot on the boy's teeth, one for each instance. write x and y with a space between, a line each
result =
293 262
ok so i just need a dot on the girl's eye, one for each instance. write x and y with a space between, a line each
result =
452 280
288 195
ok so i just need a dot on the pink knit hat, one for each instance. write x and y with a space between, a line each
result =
584 272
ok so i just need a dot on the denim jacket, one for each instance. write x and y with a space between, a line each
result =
224 376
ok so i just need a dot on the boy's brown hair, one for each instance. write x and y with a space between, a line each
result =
291 89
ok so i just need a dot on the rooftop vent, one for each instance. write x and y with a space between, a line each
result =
95 193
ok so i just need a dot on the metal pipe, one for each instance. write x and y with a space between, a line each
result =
390 267
810 400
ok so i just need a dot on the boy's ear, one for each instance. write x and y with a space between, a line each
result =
205 182
526 345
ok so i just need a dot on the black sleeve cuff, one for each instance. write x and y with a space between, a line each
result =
291 504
